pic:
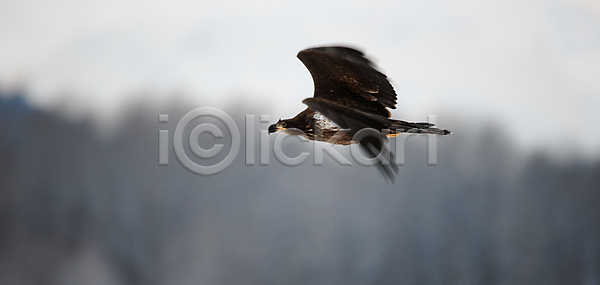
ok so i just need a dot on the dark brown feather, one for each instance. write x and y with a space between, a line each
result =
343 75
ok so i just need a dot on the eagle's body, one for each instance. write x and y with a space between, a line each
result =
315 126
349 94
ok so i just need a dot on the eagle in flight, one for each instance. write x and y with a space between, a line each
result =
350 95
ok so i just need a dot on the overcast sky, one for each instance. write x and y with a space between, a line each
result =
534 65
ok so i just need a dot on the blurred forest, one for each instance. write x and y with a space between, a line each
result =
79 209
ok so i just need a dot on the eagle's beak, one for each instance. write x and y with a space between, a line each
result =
272 128
276 128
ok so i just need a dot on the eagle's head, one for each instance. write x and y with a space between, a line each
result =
279 126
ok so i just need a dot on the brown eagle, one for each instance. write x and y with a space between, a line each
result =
350 94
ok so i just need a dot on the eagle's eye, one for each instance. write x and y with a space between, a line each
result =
283 124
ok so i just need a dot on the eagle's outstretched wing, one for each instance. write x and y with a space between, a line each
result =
344 76
353 94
